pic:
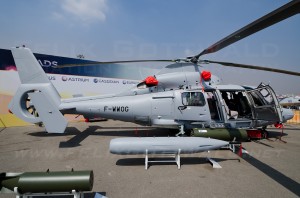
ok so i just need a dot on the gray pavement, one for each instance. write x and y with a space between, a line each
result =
272 170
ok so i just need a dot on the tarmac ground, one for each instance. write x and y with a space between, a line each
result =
271 169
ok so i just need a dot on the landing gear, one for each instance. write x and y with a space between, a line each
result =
264 128
181 131
265 134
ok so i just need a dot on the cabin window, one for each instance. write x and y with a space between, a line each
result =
193 99
236 104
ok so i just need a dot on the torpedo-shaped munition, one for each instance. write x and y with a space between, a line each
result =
163 145
47 182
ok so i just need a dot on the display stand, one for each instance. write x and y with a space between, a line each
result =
176 159
213 163
29 195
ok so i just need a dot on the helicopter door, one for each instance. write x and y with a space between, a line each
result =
265 104
193 107
163 106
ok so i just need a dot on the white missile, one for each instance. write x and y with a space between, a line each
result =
163 145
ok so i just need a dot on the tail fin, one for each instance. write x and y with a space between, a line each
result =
30 71
36 99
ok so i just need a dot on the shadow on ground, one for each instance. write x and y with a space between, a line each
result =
86 195
103 131
184 161
274 174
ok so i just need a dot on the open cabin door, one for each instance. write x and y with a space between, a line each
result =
265 104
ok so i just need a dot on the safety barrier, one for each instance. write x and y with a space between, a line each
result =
296 118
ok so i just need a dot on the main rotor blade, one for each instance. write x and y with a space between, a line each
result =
273 17
115 62
254 67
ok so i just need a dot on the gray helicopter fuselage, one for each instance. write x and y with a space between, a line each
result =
164 105
160 108
189 107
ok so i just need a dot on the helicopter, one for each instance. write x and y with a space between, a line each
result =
292 102
181 96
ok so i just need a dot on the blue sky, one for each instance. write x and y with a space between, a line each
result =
135 29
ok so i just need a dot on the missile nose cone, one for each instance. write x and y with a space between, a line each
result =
221 143
217 143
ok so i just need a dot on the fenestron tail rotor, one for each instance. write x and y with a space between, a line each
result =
30 107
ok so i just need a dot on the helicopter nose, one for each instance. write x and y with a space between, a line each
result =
287 114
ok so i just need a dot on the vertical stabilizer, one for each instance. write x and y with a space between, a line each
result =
36 100
28 67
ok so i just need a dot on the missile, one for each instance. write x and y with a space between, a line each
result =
239 135
47 182
163 145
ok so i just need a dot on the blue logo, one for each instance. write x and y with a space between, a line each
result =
64 78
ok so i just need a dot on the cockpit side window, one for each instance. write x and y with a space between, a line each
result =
193 99
258 98
268 98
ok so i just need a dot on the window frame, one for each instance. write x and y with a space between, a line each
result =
201 102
